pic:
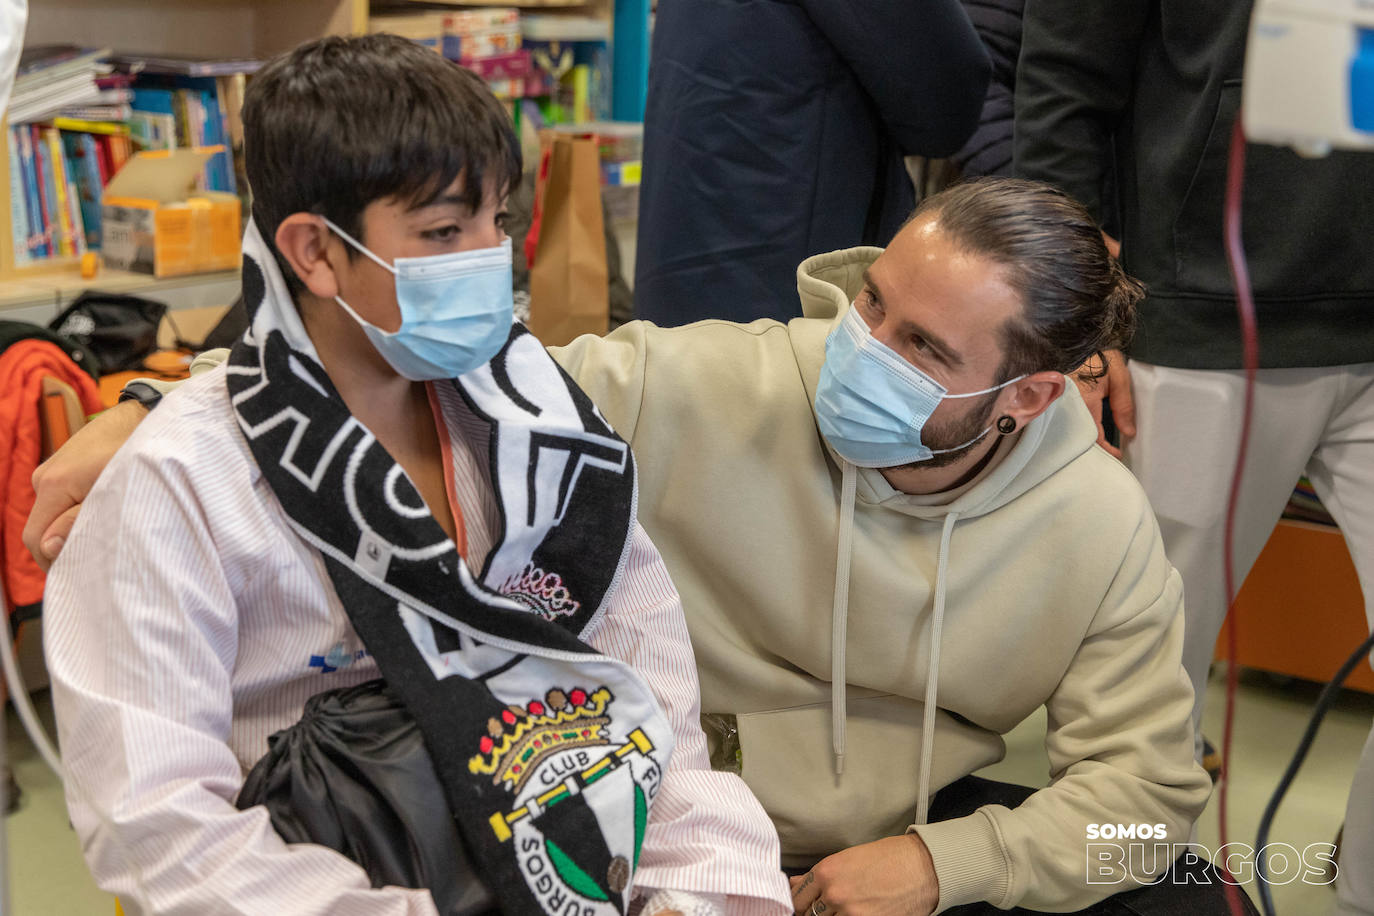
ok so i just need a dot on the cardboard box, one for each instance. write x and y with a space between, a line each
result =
474 34
155 222
506 75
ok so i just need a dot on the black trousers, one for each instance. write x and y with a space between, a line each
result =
1204 895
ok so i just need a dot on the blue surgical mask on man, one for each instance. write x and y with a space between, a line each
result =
872 405
456 310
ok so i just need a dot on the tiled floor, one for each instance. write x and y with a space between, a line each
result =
48 878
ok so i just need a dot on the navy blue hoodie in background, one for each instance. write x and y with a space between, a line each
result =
775 130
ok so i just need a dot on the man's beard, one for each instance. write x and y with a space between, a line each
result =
955 434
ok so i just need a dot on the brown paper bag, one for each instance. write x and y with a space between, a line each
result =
569 286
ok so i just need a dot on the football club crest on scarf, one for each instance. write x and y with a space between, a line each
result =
549 753
561 766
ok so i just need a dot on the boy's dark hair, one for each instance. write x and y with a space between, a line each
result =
1078 300
341 122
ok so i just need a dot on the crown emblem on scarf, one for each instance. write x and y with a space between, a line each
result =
519 740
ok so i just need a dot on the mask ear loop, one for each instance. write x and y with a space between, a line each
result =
359 245
974 394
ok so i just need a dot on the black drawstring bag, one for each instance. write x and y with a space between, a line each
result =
353 774
120 330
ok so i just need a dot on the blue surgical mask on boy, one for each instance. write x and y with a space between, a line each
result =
456 310
871 404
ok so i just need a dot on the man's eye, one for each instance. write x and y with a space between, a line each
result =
920 344
443 233
501 219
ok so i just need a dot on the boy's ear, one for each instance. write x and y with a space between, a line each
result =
303 240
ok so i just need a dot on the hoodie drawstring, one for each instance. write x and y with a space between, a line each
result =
937 624
839 614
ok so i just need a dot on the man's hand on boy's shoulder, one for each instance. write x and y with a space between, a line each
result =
894 875
62 482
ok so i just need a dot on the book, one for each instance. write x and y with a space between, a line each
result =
38 243
229 93
98 113
83 163
156 101
121 150
40 65
57 163
47 192
151 130
175 64
52 77
104 159
78 90
91 127
19 216
74 216
214 133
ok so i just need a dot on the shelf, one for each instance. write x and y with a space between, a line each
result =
214 28
37 298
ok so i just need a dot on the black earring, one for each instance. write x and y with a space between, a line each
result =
1006 425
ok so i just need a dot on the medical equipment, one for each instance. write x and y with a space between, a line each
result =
1309 75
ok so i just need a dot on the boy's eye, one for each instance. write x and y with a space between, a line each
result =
501 219
443 233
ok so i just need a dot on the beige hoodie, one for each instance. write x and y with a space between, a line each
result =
1042 584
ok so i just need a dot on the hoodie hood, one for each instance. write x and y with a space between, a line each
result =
827 285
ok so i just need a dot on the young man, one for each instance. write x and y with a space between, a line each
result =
389 478
875 517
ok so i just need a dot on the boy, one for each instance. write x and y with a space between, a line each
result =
388 479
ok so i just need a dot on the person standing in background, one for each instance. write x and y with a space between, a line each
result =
988 150
13 16
1146 92
776 130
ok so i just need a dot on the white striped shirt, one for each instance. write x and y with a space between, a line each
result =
185 623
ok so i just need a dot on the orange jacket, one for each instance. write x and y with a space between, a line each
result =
23 366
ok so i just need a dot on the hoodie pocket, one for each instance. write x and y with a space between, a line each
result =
1299 217
790 767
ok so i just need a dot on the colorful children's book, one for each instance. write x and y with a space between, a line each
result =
83 161
19 216
47 192
38 241
63 224
91 127
152 130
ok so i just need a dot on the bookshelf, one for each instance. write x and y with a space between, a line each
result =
244 28
213 28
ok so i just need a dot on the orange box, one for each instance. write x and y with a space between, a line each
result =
154 222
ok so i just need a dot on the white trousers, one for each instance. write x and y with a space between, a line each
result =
1314 421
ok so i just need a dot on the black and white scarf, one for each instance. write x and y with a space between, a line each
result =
550 753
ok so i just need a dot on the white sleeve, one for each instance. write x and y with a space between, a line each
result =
142 637
707 834
13 15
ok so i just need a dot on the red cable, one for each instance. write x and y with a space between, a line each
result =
1245 308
